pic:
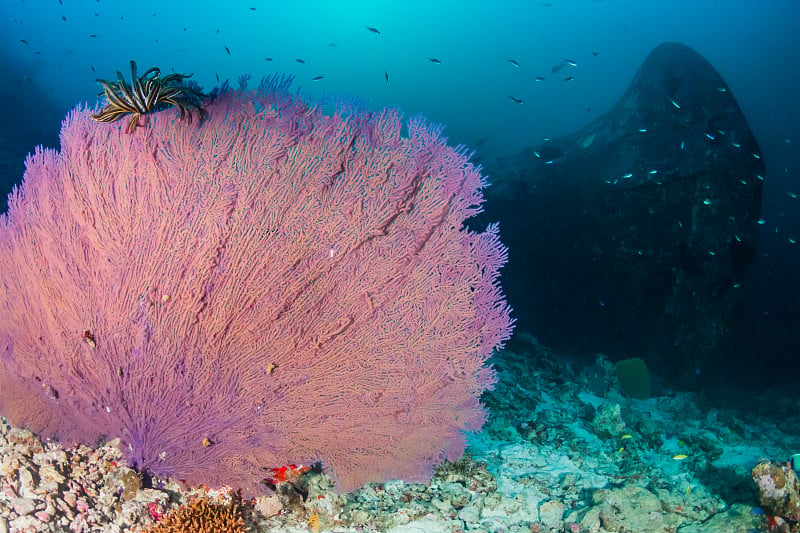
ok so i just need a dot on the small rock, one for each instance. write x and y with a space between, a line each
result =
443 506
9 466
56 456
81 505
50 478
25 523
26 485
470 514
78 524
23 506
551 515
70 498
25 442
401 518
268 505
66 509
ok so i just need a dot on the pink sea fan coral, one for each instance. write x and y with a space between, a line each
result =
277 285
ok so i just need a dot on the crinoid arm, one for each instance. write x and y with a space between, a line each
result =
132 123
109 115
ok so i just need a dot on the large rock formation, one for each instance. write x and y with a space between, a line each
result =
631 236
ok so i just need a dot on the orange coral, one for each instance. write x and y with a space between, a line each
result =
201 516
313 522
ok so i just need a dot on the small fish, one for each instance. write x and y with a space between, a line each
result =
434 60
228 50
515 100
513 62
626 436
537 154
386 75
706 202
642 130
217 78
569 78
675 103
93 36
736 145
683 144
595 54
652 172
267 59
300 61
317 78
757 156
23 41
626 176
539 78
571 63
373 30
252 9
680 457
710 136
63 18
722 89
91 67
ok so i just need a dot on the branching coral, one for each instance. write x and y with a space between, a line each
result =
201 516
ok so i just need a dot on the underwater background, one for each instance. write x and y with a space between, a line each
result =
501 77
472 66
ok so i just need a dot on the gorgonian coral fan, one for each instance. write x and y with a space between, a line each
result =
273 286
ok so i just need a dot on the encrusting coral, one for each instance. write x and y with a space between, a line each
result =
201 516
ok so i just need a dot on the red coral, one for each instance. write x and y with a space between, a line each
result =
289 473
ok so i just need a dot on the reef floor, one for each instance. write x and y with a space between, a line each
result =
564 450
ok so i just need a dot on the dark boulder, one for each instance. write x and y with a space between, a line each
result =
631 236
